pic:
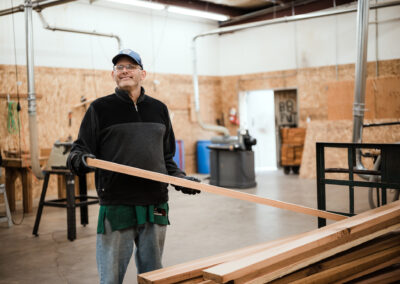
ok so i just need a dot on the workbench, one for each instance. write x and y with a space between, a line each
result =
14 167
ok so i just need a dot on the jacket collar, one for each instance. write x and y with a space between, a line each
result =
124 95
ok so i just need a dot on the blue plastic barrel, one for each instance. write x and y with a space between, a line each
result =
203 157
179 157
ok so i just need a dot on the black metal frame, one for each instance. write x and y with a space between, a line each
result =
388 179
70 202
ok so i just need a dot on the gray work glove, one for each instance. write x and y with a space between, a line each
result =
78 163
186 190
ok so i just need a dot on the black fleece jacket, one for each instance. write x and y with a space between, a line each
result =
115 130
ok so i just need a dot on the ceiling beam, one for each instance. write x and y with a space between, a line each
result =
288 9
205 6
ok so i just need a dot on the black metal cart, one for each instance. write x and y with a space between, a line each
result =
389 172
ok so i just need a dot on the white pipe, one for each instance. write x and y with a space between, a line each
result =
33 133
36 5
216 128
52 28
360 78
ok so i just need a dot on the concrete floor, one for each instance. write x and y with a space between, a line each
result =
201 225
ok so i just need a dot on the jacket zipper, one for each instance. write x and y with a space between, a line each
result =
135 107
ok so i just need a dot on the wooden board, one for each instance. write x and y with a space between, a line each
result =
16 96
373 270
210 188
320 241
270 273
381 243
188 270
341 271
353 231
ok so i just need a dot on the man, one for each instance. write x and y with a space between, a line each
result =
134 129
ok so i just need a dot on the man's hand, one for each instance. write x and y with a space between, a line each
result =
188 190
78 163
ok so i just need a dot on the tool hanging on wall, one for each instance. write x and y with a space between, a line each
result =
13 117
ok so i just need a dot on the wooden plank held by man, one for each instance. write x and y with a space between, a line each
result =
105 165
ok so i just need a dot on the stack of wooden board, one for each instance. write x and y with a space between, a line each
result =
292 148
366 246
293 136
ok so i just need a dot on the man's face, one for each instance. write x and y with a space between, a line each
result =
127 78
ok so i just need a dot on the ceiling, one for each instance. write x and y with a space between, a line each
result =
245 11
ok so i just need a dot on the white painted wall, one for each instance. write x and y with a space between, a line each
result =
164 40
308 43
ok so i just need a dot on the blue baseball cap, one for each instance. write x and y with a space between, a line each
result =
129 53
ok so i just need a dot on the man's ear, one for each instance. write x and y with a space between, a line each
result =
143 74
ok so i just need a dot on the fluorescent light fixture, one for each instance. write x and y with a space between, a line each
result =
196 13
143 4
172 9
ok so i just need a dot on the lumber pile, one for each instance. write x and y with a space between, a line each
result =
361 249
292 146
293 136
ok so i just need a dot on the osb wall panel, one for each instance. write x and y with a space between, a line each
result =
382 98
63 88
176 91
341 131
319 102
312 86
387 100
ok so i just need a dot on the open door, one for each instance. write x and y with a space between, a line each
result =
257 114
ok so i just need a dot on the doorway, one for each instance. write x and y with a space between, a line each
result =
257 114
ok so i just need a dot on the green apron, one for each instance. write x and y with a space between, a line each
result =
123 216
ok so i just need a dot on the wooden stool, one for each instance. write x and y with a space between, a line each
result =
7 218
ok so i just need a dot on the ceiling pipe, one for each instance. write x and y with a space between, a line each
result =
36 5
69 30
33 132
263 12
231 29
295 18
360 79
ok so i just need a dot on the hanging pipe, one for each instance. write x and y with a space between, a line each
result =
216 128
52 28
360 79
33 132
37 5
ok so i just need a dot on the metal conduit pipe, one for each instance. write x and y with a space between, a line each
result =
216 128
33 133
360 79
52 28
36 5
260 24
